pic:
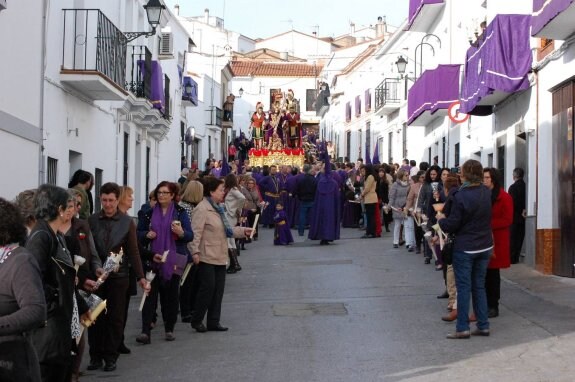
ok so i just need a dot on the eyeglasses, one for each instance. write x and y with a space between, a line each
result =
164 193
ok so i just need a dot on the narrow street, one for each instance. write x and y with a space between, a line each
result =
357 310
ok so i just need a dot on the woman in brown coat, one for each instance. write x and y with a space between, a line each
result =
210 252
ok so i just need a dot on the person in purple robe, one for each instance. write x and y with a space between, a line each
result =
292 208
325 214
282 234
269 187
283 178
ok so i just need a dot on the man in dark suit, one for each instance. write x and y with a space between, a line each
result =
517 192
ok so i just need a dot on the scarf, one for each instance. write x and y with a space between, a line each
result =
221 211
164 241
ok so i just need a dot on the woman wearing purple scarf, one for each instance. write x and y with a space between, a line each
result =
166 229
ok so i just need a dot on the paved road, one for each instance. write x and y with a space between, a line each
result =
357 310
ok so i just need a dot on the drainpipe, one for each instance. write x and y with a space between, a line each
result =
42 75
535 212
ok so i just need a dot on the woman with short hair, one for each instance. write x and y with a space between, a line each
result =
369 198
22 303
53 343
210 252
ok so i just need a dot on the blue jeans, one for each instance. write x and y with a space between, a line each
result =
304 208
470 270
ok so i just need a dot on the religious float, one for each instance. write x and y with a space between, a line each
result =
277 136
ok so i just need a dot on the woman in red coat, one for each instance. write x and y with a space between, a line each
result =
501 219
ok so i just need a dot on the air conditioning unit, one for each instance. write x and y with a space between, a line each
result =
166 46
3 4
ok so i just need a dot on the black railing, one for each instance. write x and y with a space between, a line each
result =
167 114
139 82
91 42
387 92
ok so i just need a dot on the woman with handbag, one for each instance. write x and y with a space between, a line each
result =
167 229
470 221
22 304
54 342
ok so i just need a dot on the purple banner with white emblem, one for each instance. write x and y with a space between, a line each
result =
436 89
500 61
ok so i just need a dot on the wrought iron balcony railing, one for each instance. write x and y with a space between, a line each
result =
388 91
92 43
139 78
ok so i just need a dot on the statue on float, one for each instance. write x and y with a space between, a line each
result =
258 125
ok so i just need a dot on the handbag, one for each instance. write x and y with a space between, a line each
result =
447 250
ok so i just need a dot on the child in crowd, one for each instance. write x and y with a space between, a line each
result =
282 234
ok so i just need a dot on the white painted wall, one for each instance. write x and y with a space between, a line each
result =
297 44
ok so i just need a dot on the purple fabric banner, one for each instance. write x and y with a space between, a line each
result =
546 10
500 63
436 89
157 87
415 7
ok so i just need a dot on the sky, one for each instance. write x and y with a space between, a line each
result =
261 19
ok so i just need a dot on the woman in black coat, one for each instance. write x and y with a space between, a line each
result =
54 341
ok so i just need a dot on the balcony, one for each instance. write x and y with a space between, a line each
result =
215 116
148 90
498 66
388 96
432 94
93 55
553 19
423 13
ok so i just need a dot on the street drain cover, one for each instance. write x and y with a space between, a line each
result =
312 309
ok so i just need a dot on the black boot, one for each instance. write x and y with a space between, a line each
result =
236 263
232 267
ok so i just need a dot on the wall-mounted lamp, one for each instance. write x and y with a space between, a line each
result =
154 10
531 132
241 92
188 88
73 130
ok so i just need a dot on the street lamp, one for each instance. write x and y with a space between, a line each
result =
241 92
154 13
401 64
188 89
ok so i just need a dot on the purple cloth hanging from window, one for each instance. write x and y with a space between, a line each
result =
500 63
436 89
544 13
415 7
157 86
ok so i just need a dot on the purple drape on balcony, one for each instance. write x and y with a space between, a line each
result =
544 13
500 63
157 87
435 89
415 6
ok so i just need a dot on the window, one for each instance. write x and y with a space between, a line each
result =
182 139
390 147
147 171
126 158
357 106
98 176
368 100
456 155
311 99
546 46
52 173
347 144
348 112
368 138
404 137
